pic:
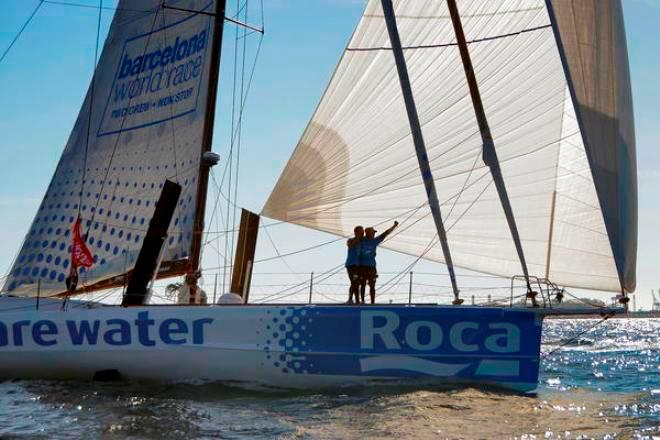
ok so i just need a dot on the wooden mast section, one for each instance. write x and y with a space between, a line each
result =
192 274
244 260
489 154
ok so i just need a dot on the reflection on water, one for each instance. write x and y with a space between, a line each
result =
605 385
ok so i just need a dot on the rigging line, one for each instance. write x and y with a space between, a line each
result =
402 273
217 249
399 275
90 110
469 206
584 301
231 219
330 273
370 191
405 175
240 121
121 128
343 236
304 284
171 107
272 242
240 9
25 25
233 135
321 244
226 18
446 17
231 152
572 339
174 146
467 179
433 240
397 278
82 5
171 8
278 294
241 111
17 254
235 132
300 251
218 219
174 10
94 299
443 111
434 159
411 211
433 46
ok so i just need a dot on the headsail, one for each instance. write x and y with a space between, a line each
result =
147 115
355 162
593 43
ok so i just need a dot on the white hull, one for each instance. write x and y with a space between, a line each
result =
275 346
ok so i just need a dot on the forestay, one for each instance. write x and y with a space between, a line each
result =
355 163
147 105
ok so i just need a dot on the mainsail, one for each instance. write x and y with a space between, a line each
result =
141 123
566 151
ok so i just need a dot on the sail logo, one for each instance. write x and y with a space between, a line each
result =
145 75
143 331
384 330
158 76
161 58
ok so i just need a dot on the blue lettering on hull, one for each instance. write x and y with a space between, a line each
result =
461 344
116 332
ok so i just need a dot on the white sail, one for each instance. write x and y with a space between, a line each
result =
355 163
147 104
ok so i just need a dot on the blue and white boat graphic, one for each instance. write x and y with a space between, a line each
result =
486 139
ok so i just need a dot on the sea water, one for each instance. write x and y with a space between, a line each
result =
603 384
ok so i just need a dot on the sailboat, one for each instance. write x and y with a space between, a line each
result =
517 114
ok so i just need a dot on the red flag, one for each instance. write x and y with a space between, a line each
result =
80 254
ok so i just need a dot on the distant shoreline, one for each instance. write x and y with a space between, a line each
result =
630 315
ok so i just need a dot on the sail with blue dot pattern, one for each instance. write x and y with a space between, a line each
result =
140 124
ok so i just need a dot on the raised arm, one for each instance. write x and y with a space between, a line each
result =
384 235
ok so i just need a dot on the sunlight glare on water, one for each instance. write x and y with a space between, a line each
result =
604 385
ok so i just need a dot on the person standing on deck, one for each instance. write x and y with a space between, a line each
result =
353 263
368 247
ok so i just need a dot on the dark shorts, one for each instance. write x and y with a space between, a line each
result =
354 273
368 273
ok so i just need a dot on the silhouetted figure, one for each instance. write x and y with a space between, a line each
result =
368 270
353 264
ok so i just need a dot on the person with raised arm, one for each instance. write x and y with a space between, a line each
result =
368 270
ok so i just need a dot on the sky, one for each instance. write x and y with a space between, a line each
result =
45 75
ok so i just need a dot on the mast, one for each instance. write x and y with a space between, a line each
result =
489 153
207 141
418 140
